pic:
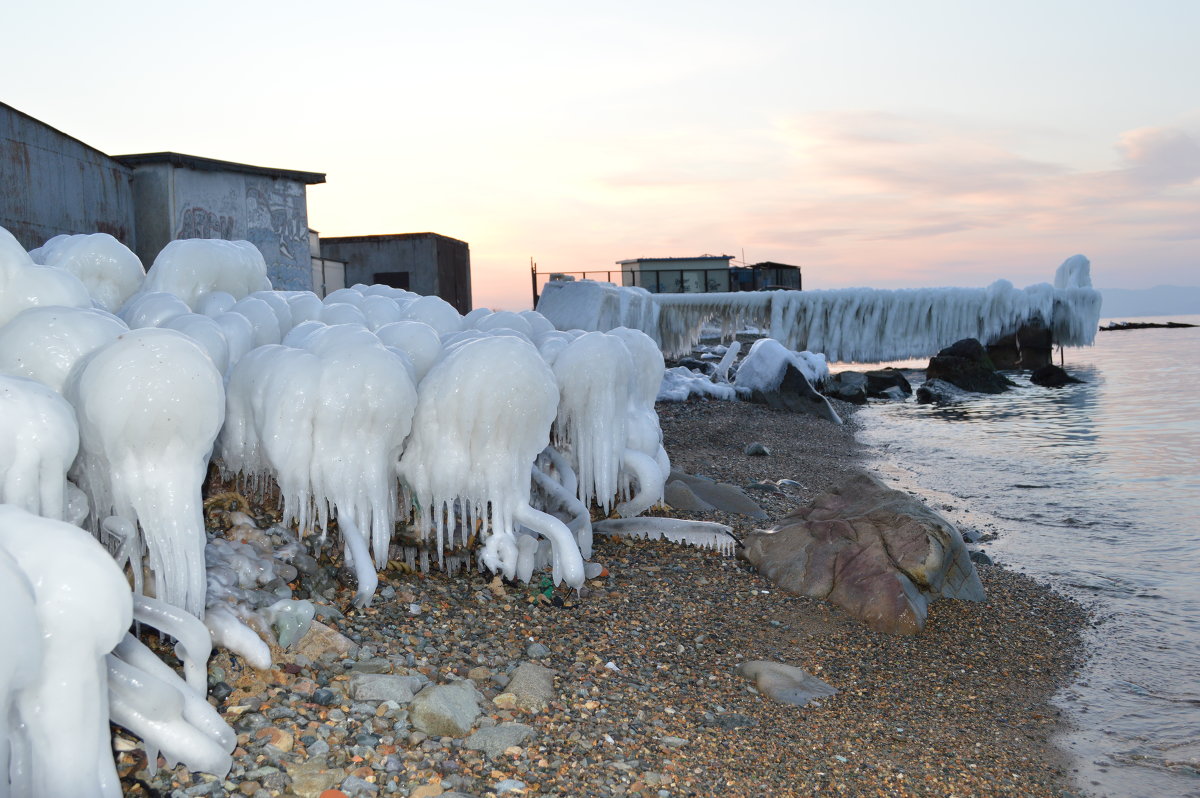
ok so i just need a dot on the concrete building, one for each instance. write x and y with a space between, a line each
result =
51 183
426 263
184 196
328 275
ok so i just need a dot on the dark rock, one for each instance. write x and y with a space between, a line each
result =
880 381
677 494
796 394
220 691
966 365
849 386
325 697
702 366
1052 377
879 553
704 493
786 684
1030 347
756 450
981 558
938 392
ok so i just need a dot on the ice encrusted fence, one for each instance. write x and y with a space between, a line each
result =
846 325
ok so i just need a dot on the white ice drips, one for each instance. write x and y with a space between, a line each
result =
38 442
45 343
702 534
483 414
150 405
416 339
110 270
207 334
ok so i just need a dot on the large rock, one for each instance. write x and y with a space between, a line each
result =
878 553
966 365
495 740
786 684
446 710
532 686
1030 347
384 687
880 383
939 392
796 394
849 386
1052 377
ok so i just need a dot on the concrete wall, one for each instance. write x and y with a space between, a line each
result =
51 184
271 213
435 265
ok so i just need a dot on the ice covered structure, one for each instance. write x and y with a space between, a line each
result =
594 306
110 270
851 324
25 284
645 461
764 365
327 423
483 415
150 405
38 442
192 267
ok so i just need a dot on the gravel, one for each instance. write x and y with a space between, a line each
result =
646 701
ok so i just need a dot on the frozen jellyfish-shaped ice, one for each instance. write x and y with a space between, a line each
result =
593 374
20 658
192 267
150 405
504 319
44 344
342 313
239 335
538 324
279 304
109 269
207 334
434 311
152 309
347 296
305 306
379 311
38 442
644 459
262 318
24 284
416 339
84 608
483 415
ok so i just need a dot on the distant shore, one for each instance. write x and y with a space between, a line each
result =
647 702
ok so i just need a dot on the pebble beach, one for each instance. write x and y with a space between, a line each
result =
641 696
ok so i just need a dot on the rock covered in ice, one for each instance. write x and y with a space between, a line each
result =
45 343
109 269
764 365
38 442
150 405
594 306
25 284
192 267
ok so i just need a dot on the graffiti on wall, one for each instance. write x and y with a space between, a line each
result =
197 222
277 222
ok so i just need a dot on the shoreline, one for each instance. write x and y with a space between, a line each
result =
646 701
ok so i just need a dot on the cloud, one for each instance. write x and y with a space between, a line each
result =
1160 156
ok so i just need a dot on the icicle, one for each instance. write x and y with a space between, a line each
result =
702 534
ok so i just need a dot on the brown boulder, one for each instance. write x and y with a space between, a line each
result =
878 553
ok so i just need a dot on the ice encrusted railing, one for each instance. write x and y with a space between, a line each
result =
859 324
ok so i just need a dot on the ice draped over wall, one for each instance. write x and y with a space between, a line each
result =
847 324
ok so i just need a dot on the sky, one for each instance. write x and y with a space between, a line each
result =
886 144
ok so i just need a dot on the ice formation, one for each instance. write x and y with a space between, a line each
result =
851 324
45 343
83 609
703 534
192 267
483 416
24 284
38 442
763 367
150 405
590 305
108 268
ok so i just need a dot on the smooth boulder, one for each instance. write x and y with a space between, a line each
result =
1052 377
878 553
966 364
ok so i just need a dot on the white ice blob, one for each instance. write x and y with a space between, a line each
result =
150 405
38 442
415 338
44 344
434 311
152 309
192 267
24 284
207 334
342 313
379 311
262 318
214 303
239 335
281 306
505 319
109 269
305 306
84 609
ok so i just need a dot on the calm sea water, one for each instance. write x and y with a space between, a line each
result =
1095 489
